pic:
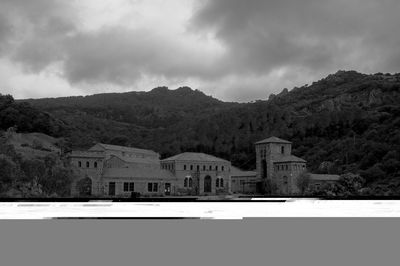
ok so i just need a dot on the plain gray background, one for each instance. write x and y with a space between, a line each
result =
267 241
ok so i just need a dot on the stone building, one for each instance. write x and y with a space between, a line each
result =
110 170
244 182
199 173
279 170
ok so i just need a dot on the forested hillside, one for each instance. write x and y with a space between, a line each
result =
346 122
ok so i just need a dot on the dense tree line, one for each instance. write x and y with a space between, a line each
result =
345 123
38 177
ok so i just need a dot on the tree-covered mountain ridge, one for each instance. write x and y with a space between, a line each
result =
346 122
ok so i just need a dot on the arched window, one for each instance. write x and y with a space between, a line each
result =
87 164
79 164
221 182
222 168
210 167
283 149
204 167
191 167
217 182
185 183
95 164
216 168
190 182
184 167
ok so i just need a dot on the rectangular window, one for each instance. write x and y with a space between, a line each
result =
287 167
126 186
210 168
152 187
191 167
204 167
184 167
79 164
131 186
222 168
198 167
87 164
216 168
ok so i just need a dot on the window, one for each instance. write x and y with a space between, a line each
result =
287 167
210 167
152 187
221 182
79 164
87 164
283 149
95 164
204 167
222 168
217 182
129 186
198 167
190 182
216 168
184 167
191 167
185 182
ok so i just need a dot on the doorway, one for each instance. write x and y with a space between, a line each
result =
207 184
167 189
111 189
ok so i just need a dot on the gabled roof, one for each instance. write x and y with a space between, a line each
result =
288 158
127 159
273 140
195 156
319 177
237 172
122 149
138 173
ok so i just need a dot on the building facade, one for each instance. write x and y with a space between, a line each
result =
199 173
109 170
279 170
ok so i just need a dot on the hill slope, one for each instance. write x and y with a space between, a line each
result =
349 121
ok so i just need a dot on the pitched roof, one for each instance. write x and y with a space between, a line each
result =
273 140
195 156
288 158
136 160
139 173
123 149
238 172
86 154
320 177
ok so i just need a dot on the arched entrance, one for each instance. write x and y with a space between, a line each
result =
207 184
84 187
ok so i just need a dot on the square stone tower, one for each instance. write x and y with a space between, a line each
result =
275 164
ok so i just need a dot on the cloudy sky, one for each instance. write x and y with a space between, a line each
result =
234 50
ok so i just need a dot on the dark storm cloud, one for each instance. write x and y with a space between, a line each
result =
257 47
122 56
315 34
36 30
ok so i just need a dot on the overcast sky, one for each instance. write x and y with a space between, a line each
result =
234 50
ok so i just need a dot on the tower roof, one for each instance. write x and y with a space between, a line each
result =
273 140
